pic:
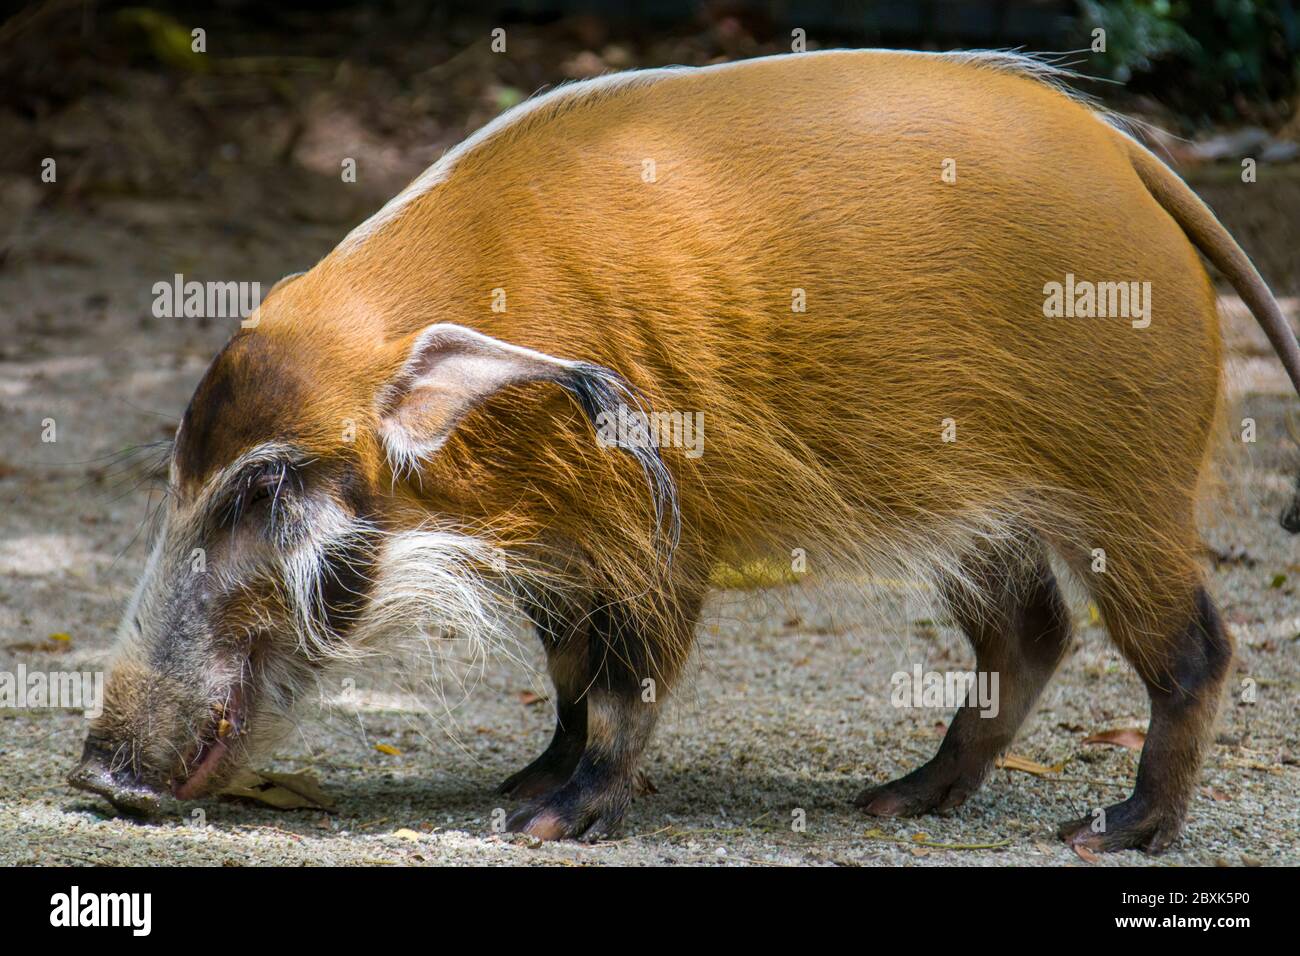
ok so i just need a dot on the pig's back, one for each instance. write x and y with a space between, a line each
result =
668 225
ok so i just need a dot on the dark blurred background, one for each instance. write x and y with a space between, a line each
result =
255 126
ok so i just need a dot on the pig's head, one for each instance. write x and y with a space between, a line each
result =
300 528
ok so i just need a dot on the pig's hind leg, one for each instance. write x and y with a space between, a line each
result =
1012 611
631 670
1184 675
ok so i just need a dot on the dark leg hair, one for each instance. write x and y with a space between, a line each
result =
567 660
632 672
1015 618
1184 679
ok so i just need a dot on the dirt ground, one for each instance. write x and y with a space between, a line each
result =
233 173
788 709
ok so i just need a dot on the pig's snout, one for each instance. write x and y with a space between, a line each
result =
158 739
121 786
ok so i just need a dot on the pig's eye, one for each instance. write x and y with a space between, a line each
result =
260 491
268 485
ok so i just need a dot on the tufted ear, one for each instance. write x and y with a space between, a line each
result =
450 370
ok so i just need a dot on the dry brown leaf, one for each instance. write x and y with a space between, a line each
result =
1131 737
283 791
1025 765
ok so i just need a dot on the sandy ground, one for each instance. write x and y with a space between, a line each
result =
789 705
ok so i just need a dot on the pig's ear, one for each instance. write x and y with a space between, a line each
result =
450 370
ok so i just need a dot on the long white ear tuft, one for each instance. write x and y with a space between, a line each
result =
451 370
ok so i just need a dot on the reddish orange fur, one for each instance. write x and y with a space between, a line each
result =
822 429
925 304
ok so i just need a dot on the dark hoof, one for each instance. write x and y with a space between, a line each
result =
544 775
532 781
929 789
1124 826
570 814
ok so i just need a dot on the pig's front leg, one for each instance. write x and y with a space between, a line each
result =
631 673
591 804
568 661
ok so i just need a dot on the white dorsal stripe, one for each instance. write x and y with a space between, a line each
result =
1041 69
439 171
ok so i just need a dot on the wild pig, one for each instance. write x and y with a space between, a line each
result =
940 318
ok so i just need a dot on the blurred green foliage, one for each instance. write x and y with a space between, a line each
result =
1212 53
1137 32
168 41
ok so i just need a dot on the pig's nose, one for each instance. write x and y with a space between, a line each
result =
122 787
